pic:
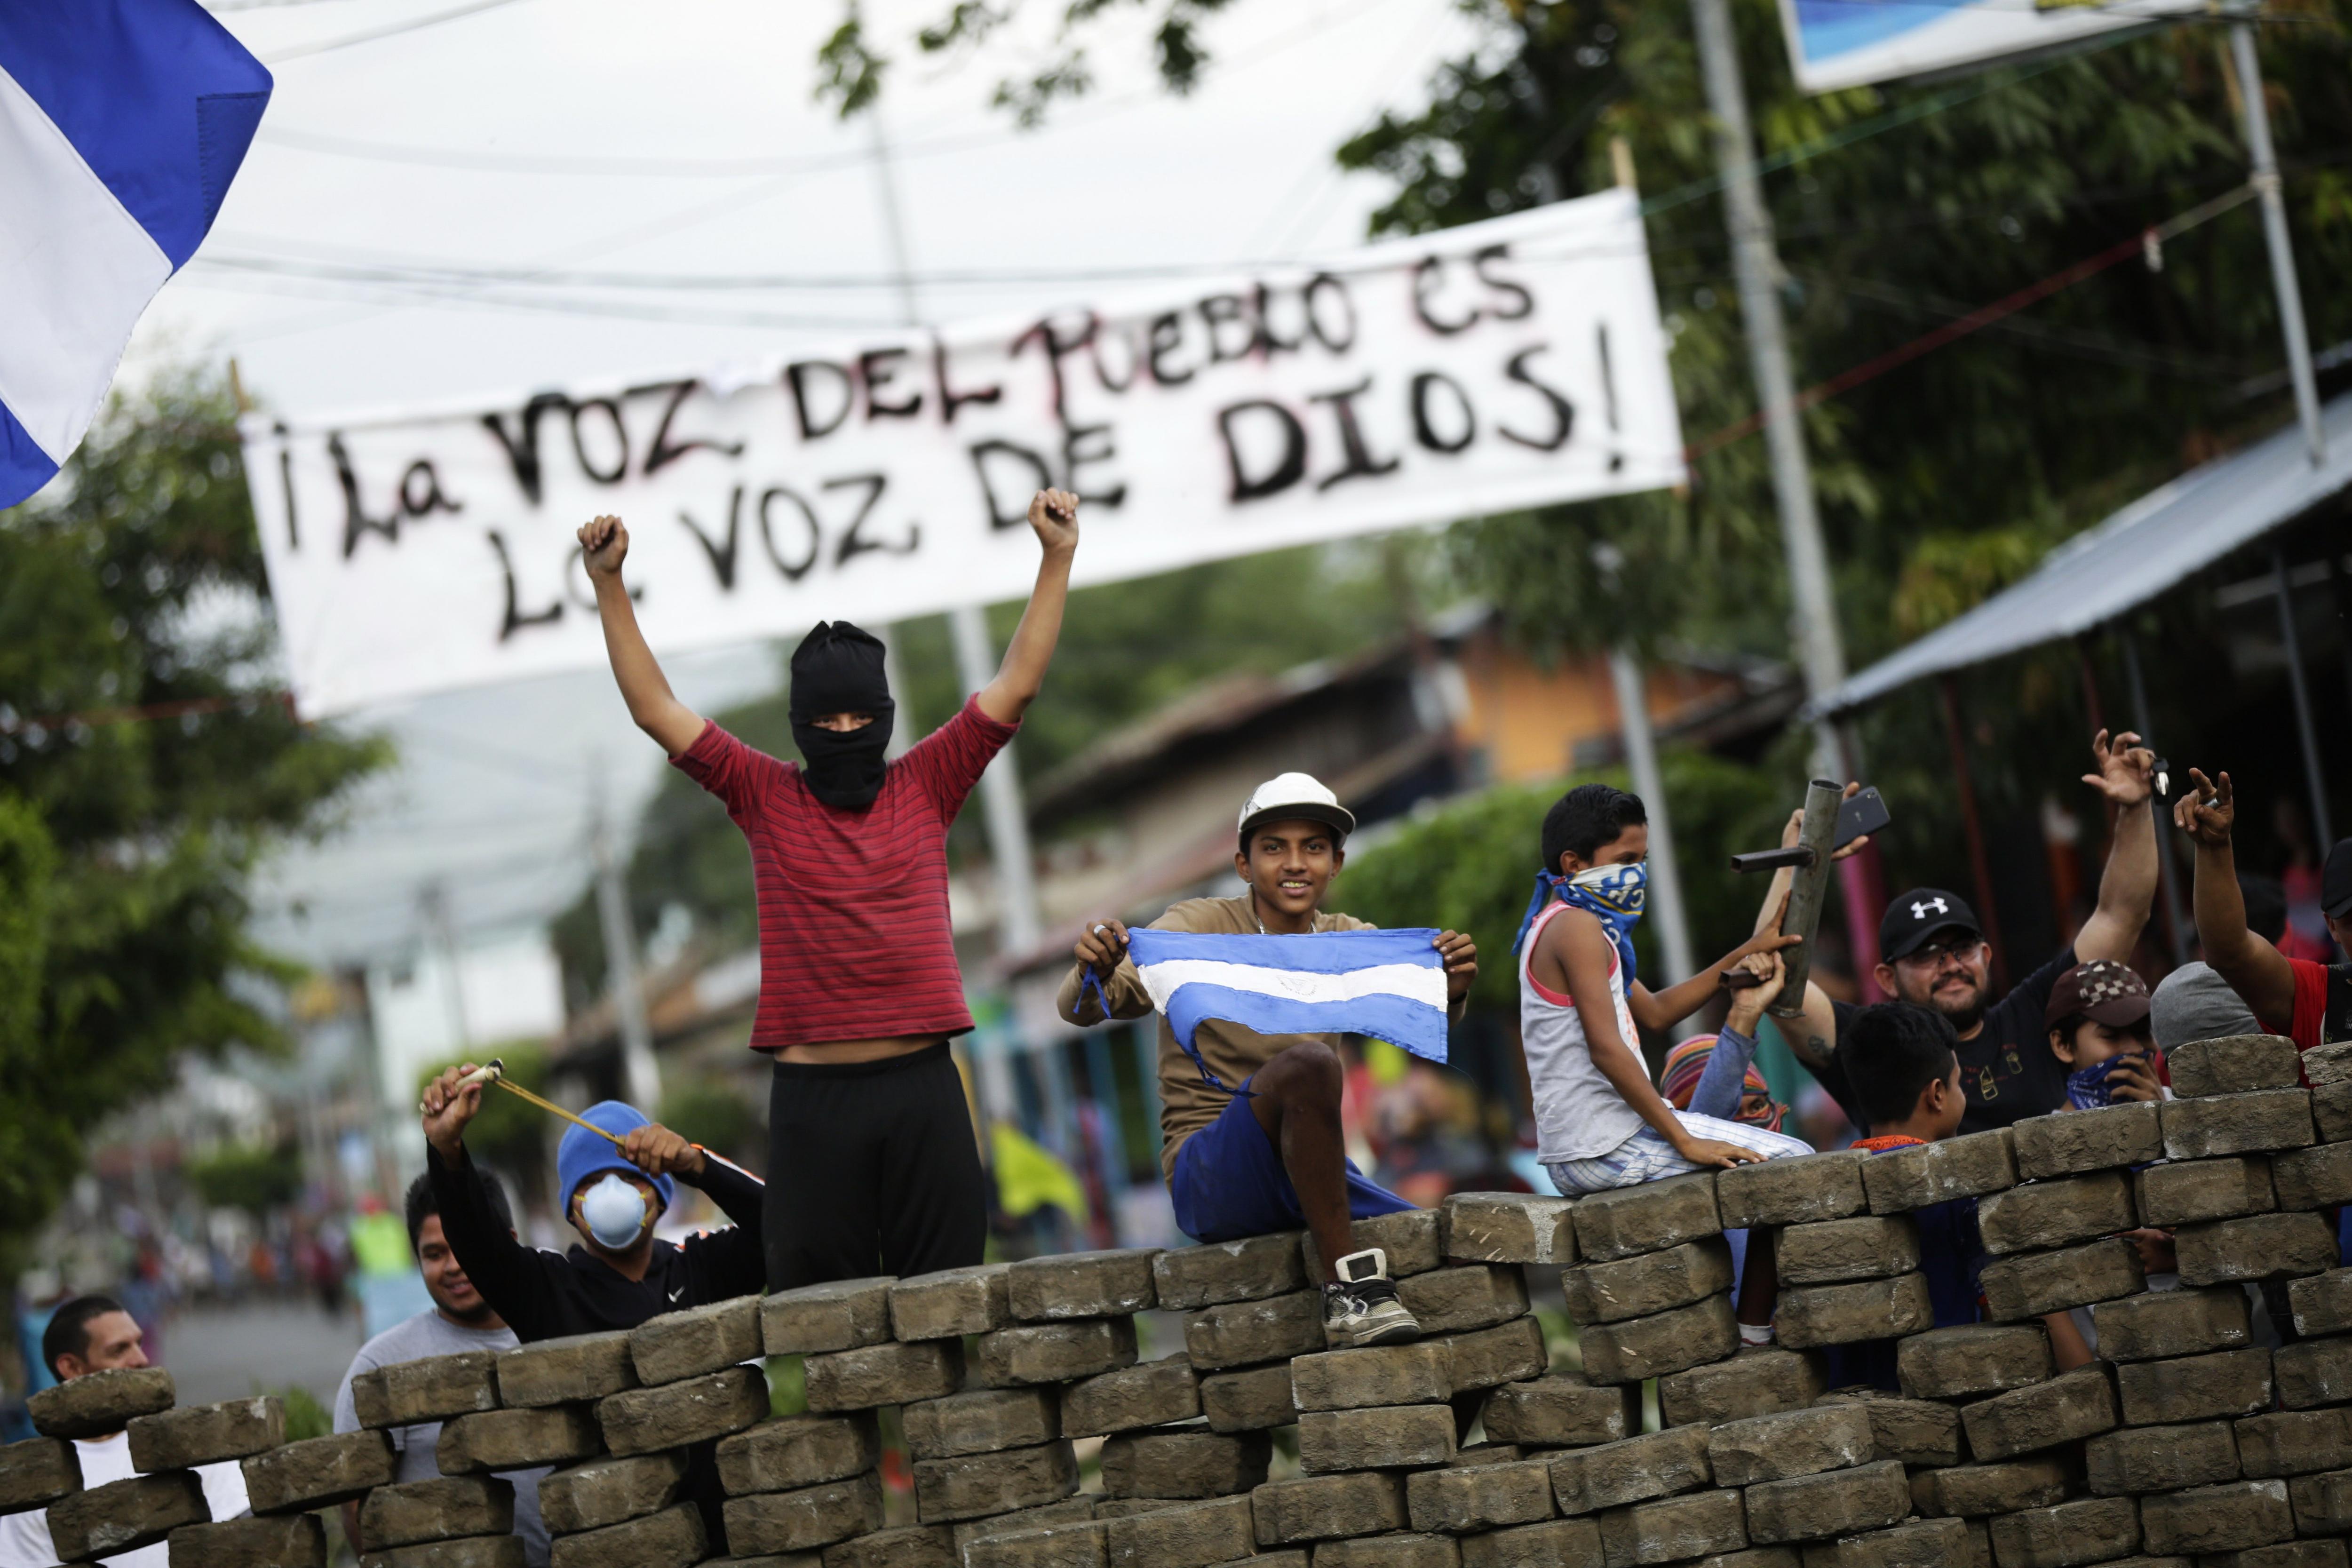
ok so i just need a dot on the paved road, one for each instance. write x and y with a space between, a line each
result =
228 1352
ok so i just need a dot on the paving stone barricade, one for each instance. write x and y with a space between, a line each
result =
2188 1442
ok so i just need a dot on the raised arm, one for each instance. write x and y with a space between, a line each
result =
1575 943
1055 515
2127 776
604 545
2255 970
512 1278
1664 1009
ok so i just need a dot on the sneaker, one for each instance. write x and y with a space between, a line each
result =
1360 1308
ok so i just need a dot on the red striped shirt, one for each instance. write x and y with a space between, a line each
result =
854 937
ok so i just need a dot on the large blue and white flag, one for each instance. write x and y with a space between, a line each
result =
122 123
1389 984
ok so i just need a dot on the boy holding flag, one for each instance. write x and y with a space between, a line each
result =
1249 1122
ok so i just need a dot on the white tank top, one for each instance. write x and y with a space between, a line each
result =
1579 1114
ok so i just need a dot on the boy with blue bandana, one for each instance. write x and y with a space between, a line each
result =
1599 1122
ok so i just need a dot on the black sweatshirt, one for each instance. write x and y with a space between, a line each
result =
543 1296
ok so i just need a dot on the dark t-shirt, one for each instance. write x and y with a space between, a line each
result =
2007 1071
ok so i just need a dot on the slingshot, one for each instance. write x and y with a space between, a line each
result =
494 1072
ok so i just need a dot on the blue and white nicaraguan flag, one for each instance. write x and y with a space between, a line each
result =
122 123
1389 984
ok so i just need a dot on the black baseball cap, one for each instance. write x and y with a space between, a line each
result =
1923 911
2335 881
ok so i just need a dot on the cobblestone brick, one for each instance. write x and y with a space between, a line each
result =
1418 1374
1246 1334
844 1315
883 1375
1190 1462
1757 1380
1975 1491
1672 1529
797 1451
1647 1283
521 1439
1657 1464
1792 1443
566 1370
2073 1405
1054 1352
2032 1284
2228 1518
206 1434
2186 1191
1459 1299
1832 1252
1561 1411
2195 1388
2237 1123
1396 1437
1643 1347
767 1523
2260 1246
101 1402
1812 1315
1249 1400
952 1303
1187 1278
1649 1217
1966 1167
2164 1323
1833 1503
2057 1213
1105 1284
2069 1142
1149 1394
1457 1501
1413 1239
643 1419
1328 1508
1971 1359
2160 1459
978 1484
599 1492
1509 1227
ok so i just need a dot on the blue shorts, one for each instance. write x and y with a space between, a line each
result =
1229 1182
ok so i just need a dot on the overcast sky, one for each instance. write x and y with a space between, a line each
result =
523 196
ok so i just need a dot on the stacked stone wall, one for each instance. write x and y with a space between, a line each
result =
2192 1439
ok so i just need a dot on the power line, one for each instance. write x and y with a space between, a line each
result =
1983 317
304 51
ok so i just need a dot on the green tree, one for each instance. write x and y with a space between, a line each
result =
254 1177
146 764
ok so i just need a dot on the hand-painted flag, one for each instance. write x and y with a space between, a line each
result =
122 123
1389 984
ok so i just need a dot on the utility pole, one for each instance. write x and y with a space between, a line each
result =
1019 925
435 897
1756 267
640 1072
1666 893
2257 116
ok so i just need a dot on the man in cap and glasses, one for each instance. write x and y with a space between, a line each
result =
1250 1136
1933 954
872 1165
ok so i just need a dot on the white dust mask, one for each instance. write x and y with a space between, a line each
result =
614 1213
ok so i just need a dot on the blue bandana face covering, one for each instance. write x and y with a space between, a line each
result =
1614 894
2087 1088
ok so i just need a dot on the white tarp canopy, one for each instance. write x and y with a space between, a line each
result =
2131 557
1499 365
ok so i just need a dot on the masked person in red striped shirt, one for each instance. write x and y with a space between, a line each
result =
871 1166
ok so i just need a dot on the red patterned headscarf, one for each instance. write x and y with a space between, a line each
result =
1687 1062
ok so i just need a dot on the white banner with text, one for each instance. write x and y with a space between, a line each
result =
1502 365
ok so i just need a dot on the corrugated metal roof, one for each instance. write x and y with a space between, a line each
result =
2129 558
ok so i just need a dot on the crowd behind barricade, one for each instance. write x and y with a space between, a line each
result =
2021 1174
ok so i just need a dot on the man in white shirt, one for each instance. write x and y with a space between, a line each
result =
461 1321
88 1334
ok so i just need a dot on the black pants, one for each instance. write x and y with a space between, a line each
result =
872 1170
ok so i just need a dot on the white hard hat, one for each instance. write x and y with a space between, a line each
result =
1288 796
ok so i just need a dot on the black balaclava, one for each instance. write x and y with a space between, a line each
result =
837 669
